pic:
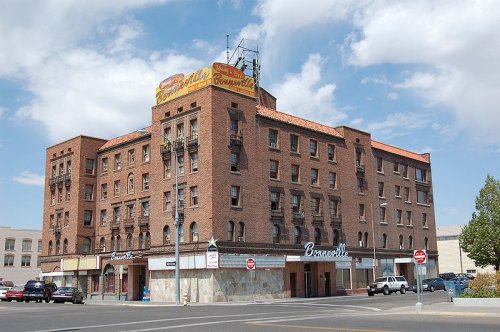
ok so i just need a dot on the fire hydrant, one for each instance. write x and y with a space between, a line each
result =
185 299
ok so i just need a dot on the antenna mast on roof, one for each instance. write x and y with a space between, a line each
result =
246 58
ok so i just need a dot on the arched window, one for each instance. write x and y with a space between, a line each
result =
130 242
51 247
410 242
58 247
181 233
112 244
102 244
317 236
241 231
130 183
366 239
336 237
118 243
109 279
360 239
426 243
166 234
193 229
86 245
230 230
384 240
276 233
65 246
147 240
401 242
297 235
142 241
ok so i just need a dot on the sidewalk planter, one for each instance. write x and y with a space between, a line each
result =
476 302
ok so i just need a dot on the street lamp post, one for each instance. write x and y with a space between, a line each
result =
373 238
176 216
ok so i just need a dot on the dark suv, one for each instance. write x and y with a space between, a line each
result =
39 291
447 275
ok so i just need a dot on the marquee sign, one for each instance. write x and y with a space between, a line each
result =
127 255
219 74
311 252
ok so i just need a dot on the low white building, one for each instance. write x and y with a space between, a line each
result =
19 253
451 256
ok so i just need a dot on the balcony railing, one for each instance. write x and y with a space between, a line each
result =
336 221
166 151
360 169
298 216
180 210
129 222
179 145
56 229
114 225
60 179
277 213
144 220
192 142
318 218
235 141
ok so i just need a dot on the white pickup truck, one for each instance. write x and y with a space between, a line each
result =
388 285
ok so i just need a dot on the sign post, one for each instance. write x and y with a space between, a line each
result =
251 268
420 257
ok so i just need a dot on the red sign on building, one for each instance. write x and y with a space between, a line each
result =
420 256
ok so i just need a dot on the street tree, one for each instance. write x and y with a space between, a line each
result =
480 239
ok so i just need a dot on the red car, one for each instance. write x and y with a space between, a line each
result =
15 293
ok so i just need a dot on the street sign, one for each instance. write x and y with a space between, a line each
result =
420 256
250 264
170 263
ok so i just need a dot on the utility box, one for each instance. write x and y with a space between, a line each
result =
450 290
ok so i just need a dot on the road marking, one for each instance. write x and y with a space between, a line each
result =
324 328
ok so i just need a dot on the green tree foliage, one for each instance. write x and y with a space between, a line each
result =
481 237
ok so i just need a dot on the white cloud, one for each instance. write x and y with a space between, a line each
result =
304 95
3 110
398 124
30 179
392 96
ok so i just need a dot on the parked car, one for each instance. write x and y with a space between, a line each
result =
431 285
6 283
67 294
15 293
466 275
3 291
388 285
39 291
462 281
447 275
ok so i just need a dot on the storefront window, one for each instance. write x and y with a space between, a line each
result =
431 268
95 283
58 281
125 283
363 277
387 266
109 279
343 279
68 281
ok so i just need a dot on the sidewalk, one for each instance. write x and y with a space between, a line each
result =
450 309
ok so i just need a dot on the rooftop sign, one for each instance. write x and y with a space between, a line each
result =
219 74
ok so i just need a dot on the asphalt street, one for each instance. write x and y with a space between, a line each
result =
352 313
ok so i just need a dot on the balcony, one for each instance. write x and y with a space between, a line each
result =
235 141
422 184
277 214
144 220
318 218
179 145
166 151
298 216
360 169
129 222
180 211
336 222
192 142
114 226
60 180
56 229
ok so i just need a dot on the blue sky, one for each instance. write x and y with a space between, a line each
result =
422 75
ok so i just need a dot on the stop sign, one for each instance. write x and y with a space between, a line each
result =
420 256
250 264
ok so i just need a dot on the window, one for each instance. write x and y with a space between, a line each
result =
420 175
401 242
235 196
273 138
129 242
181 197
296 203
193 157
317 236
53 172
276 233
10 244
297 238
384 240
66 218
180 131
167 168
381 189
382 216
59 195
104 217
230 230
410 242
332 180
314 177
275 201
89 166
380 165
118 162
65 246
180 165
8 260
273 169
405 170
397 190
68 193
86 245
87 218
294 143
50 247
233 128
166 234
331 152
399 214
130 183
145 153
241 231
145 208
104 191
295 173
422 197
39 248
130 211
26 245
409 221
396 167
168 201
116 214
193 230
334 208
89 189
104 165
52 197
313 148
426 243
117 186
194 196
361 184
424 220
336 237
316 206
235 161
361 212
145 181
131 157
407 194
193 127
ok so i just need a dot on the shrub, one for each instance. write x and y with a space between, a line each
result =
484 285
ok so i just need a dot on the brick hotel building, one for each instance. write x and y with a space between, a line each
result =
263 183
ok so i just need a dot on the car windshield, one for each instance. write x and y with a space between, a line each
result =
380 279
3 288
18 288
65 289
426 280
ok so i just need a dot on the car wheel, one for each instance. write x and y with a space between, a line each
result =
26 300
47 299
9 300
431 289
370 294
386 290
74 301
403 290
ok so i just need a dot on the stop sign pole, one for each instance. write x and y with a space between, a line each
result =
420 257
251 268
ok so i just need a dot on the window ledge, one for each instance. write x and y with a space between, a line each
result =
425 227
295 153
422 204
334 161
384 223
238 208
235 172
398 196
380 172
314 158
361 194
276 149
409 226
276 180
295 182
396 172
400 225
406 178
408 202
362 221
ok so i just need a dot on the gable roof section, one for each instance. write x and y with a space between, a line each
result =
124 138
400 152
296 121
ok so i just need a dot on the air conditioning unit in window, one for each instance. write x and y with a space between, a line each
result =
240 238
401 247
146 213
272 144
361 244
